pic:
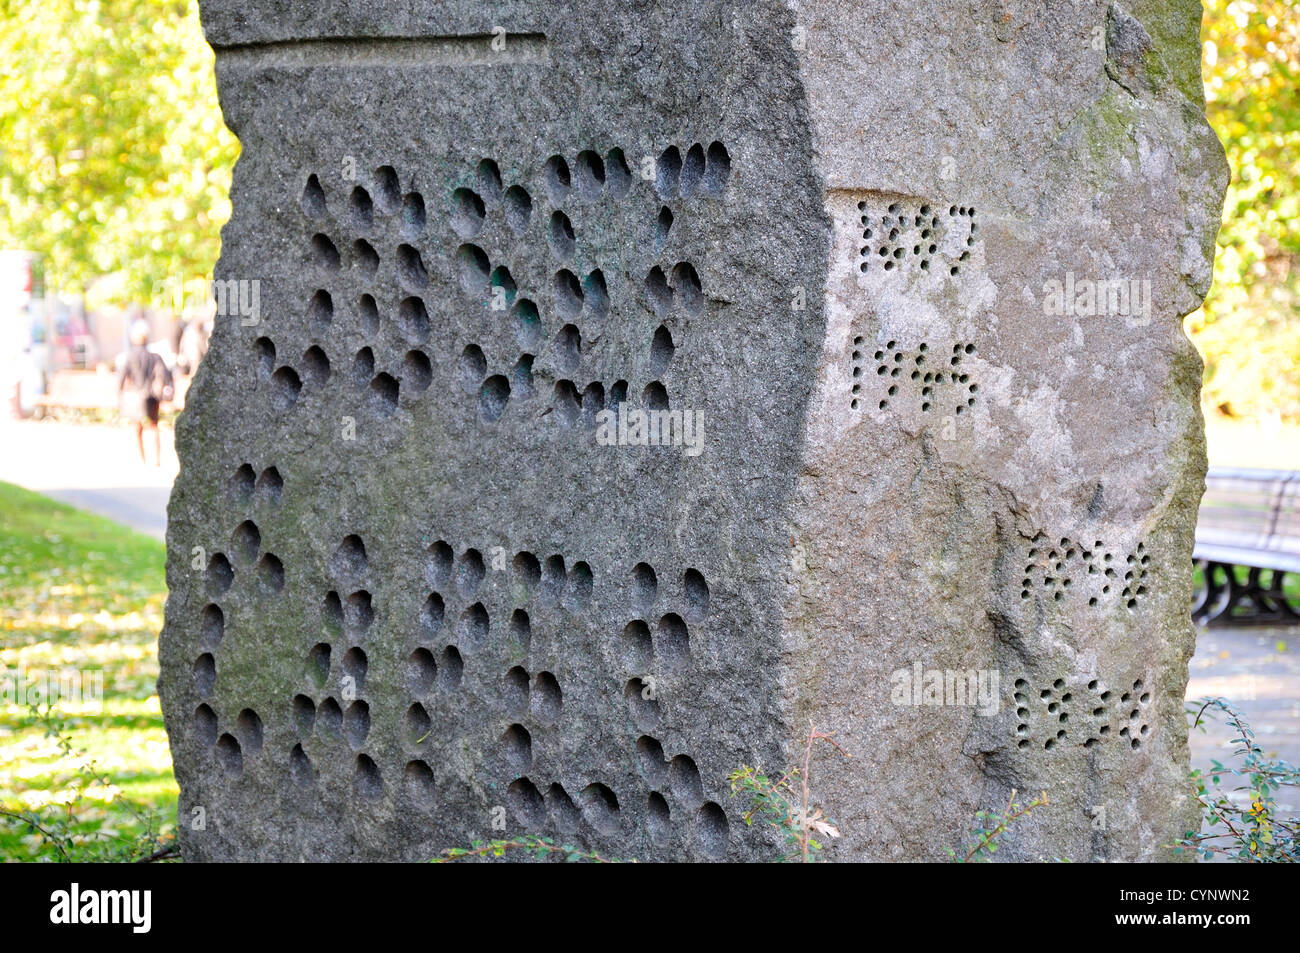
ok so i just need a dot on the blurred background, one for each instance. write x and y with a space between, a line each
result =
114 180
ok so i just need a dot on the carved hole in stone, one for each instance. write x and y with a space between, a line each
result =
692 175
240 487
355 666
562 238
556 177
471 369
657 290
300 768
519 208
220 574
553 580
663 226
642 704
661 351
684 780
324 253
717 170
503 288
417 724
527 569
229 756
697 595
361 209
597 295
285 387
515 691
580 586
473 266
545 701
329 719
589 176
645 585
600 808
668 171
439 563
413 320
356 723
410 269
563 811
568 404
655 396
313 198
528 326
270 572
526 803
321 310
467 213
657 818
363 366
212 627
368 780
249 728
304 714
383 394
711 830
568 348
638 647
593 402
358 613
672 642
568 294
315 366
686 285
651 755
471 572
521 377
493 397
618 176
421 672
388 192
205 675
517 745
451 668
419 782
521 629
205 726
431 614
417 371
318 665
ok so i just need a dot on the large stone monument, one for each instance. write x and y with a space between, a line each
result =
603 392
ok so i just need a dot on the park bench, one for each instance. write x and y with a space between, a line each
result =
79 391
1247 540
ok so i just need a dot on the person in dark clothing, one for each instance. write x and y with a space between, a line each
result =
143 383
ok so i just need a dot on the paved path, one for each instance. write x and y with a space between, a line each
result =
95 467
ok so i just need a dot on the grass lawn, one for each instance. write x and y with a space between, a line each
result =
80 597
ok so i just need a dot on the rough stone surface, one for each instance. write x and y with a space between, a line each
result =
412 593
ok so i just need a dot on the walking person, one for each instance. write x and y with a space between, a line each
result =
143 383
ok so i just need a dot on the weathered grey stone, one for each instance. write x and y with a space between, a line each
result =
427 589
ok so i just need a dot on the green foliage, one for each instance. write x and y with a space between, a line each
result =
991 826
1241 823
80 593
116 159
1249 329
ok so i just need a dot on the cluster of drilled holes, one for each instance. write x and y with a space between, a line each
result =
230 747
680 287
361 206
247 486
493 390
700 174
573 406
590 179
901 235
669 642
925 376
1097 713
576 298
1056 566
335 721
471 204
682 779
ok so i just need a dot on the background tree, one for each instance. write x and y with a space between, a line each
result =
116 161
